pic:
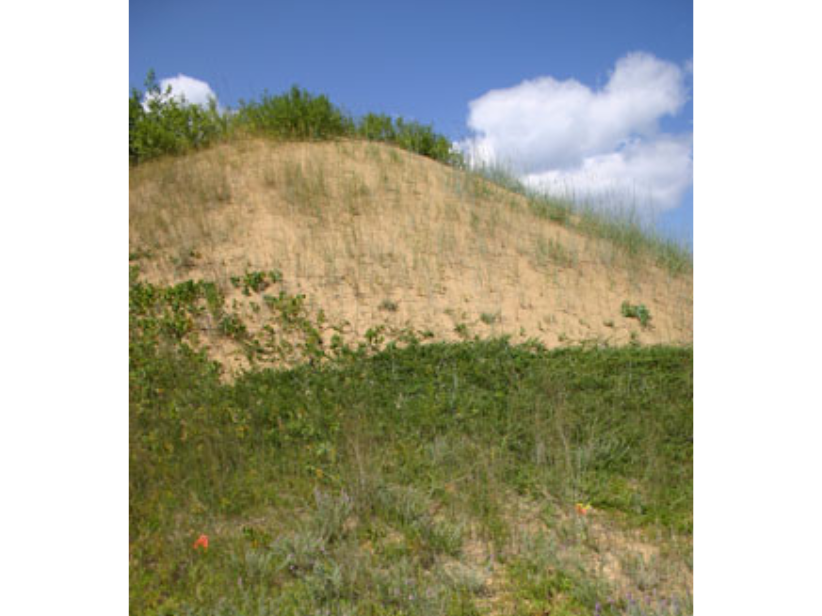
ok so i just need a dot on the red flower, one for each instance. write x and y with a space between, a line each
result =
582 509
202 542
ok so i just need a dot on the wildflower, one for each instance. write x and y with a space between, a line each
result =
583 509
202 542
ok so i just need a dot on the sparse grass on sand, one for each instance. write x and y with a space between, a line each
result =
352 225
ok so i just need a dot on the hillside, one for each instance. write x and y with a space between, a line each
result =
363 382
375 235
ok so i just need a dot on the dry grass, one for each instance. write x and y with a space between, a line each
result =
595 546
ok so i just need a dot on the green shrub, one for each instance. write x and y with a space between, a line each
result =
409 135
639 312
159 123
162 124
422 139
377 127
296 114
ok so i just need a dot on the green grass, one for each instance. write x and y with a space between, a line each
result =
392 478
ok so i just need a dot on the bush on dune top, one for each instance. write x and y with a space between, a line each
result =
160 123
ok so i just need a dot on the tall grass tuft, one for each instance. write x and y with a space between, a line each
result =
622 227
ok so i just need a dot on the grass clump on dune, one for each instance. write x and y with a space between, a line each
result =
623 228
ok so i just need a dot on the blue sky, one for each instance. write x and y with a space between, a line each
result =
558 68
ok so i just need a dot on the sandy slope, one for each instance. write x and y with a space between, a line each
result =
373 234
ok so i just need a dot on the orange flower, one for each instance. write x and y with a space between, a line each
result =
202 542
582 509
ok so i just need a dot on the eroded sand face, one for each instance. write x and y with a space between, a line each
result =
375 235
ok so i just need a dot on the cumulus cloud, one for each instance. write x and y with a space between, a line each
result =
643 173
188 89
563 134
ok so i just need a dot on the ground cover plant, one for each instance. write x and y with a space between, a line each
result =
639 312
401 477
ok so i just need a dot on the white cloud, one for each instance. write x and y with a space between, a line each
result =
188 89
563 133
643 174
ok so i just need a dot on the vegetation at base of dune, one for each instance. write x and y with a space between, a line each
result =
401 477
